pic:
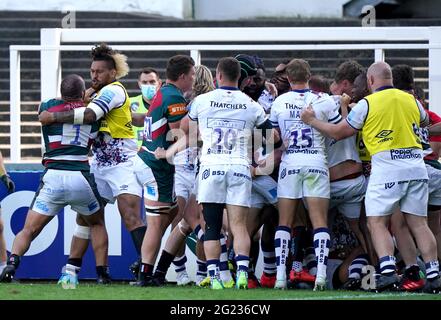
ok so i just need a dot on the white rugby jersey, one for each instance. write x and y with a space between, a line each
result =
304 145
342 150
226 119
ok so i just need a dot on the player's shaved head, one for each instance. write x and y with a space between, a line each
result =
380 70
379 74
72 87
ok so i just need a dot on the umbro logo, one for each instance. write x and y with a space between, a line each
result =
383 134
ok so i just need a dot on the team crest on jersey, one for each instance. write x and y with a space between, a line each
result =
205 174
134 106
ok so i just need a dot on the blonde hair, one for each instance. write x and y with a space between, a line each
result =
121 66
203 81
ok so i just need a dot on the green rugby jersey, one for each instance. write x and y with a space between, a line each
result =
67 145
168 106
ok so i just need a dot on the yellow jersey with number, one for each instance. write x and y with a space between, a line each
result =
392 121
118 122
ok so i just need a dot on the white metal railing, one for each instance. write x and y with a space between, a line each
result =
196 40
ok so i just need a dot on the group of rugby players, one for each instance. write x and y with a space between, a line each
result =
327 178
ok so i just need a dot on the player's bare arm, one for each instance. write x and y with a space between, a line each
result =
76 116
179 131
337 131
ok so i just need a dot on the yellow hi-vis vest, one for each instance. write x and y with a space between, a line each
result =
118 122
363 153
392 121
138 105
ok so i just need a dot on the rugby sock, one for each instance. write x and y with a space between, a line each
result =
202 268
146 271
199 232
311 261
14 260
242 262
212 267
387 265
254 256
164 263
137 237
225 273
74 265
102 270
297 252
179 263
322 240
432 269
269 257
2 266
281 246
356 267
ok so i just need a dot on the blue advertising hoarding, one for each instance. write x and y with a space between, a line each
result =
50 250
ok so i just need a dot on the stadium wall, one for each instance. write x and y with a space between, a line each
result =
172 8
213 10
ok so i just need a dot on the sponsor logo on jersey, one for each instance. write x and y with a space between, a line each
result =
305 151
92 206
177 109
283 173
389 185
106 96
224 105
293 171
40 205
383 135
291 106
205 174
151 190
241 175
401 154
322 172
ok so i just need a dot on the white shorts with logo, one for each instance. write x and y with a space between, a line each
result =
113 181
264 191
299 182
434 185
59 188
229 184
347 196
184 182
411 196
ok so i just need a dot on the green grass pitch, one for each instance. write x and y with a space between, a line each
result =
123 291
